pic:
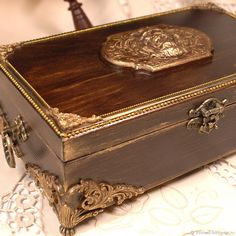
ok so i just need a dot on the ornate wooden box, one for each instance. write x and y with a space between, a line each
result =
104 114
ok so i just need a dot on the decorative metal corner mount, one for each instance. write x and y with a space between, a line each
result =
209 6
205 118
6 50
69 121
157 47
81 201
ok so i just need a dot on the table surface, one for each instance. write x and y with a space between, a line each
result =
201 203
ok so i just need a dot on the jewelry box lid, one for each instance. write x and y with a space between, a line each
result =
86 83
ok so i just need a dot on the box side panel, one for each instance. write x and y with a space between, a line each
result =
42 146
137 127
161 156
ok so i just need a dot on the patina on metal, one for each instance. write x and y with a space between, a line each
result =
91 197
6 50
210 6
11 134
205 118
157 47
69 121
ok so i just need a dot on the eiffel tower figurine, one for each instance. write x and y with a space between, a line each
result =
81 21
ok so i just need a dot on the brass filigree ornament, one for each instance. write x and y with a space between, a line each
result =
81 201
205 118
70 121
1 123
6 50
11 134
209 6
157 47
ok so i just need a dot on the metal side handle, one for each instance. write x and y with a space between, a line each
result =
11 135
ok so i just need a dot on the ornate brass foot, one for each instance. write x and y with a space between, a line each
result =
81 201
67 232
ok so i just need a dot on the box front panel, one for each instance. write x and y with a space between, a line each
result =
146 124
158 157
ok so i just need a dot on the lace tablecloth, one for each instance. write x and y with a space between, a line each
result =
201 203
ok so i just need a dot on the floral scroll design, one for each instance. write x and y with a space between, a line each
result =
81 201
206 117
69 121
6 50
157 47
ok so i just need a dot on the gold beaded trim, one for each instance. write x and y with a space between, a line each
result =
31 101
141 108
203 6
162 102
183 95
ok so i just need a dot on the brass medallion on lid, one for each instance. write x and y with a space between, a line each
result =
157 47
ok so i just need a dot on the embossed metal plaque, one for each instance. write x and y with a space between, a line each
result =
157 47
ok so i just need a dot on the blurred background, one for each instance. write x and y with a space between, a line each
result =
28 19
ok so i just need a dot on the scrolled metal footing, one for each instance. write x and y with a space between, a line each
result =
67 232
91 197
